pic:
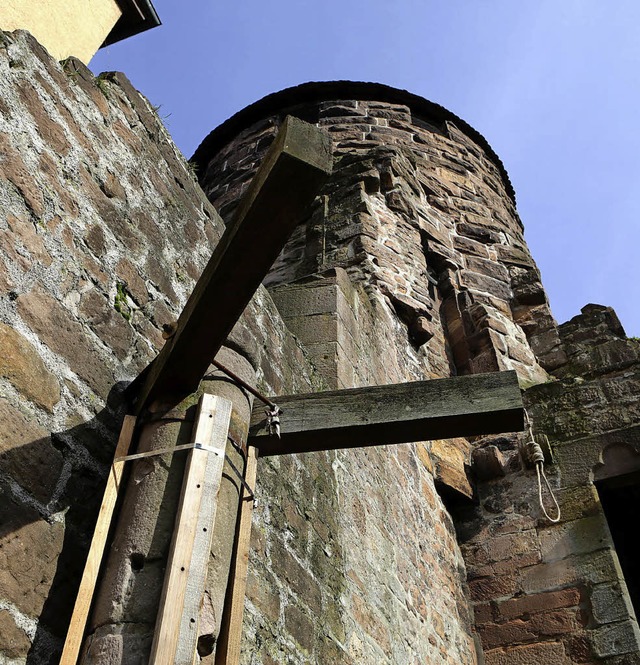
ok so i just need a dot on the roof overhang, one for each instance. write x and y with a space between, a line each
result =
137 16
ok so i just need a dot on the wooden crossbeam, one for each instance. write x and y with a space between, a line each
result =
397 413
284 186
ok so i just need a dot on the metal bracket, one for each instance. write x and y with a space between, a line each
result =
273 414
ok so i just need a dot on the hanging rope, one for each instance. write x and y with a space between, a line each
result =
540 470
537 458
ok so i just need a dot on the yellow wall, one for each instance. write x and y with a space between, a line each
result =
63 27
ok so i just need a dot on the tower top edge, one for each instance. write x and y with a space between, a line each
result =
320 91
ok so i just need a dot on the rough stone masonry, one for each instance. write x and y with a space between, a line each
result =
412 264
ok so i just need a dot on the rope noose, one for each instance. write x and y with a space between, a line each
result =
537 458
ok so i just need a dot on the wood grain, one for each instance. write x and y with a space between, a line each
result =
228 647
182 589
397 413
82 606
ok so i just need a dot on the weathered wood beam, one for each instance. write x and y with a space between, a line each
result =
286 183
176 634
397 413
78 623
228 646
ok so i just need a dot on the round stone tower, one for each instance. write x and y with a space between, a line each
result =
421 215
411 264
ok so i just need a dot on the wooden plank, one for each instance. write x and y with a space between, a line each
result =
228 647
198 568
75 634
212 425
398 413
286 183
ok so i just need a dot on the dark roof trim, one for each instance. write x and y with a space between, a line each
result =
137 16
314 92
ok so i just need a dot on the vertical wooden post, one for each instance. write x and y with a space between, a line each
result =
176 633
228 647
81 609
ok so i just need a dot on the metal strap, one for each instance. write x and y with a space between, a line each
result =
242 480
190 446
164 451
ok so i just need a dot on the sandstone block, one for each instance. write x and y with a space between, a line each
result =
15 170
527 288
488 463
513 255
300 627
26 453
539 602
610 603
615 639
578 502
479 282
468 246
29 549
546 653
49 129
305 300
107 322
480 233
23 367
14 643
130 276
504 634
314 329
66 337
493 588
300 581
576 537
95 240
450 461
596 568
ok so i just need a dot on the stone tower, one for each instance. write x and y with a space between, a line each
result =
420 217
411 264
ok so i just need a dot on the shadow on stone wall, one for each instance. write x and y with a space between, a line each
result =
58 538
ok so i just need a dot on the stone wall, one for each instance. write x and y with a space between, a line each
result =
412 264
555 593
104 232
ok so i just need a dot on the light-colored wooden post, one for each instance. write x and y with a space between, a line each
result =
81 609
228 647
176 633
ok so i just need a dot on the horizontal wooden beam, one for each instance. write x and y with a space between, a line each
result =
397 413
286 183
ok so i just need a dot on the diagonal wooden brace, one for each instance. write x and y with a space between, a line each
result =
285 185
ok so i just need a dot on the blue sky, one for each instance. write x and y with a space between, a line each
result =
552 84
